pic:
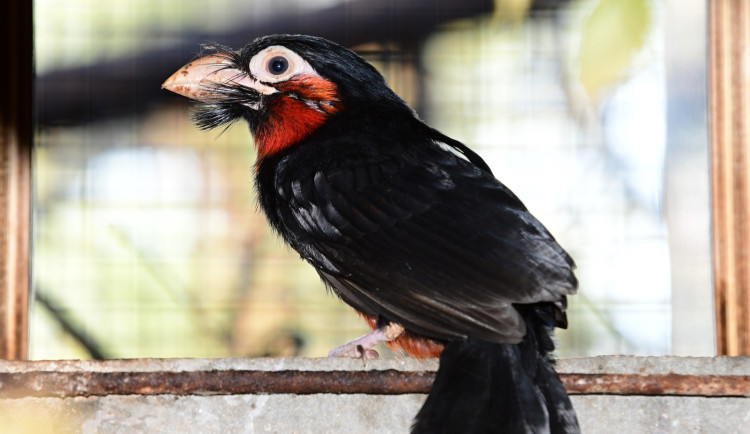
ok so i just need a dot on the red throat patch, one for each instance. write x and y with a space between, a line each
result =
304 104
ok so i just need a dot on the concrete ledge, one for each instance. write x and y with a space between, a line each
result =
325 412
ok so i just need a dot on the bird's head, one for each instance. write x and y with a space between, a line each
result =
285 86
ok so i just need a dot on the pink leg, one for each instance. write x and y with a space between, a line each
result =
362 347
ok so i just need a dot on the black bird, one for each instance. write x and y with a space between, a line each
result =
403 223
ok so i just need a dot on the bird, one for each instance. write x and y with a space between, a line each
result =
406 225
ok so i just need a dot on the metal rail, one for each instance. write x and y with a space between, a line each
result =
381 382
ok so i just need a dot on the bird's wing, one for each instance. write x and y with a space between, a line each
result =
426 239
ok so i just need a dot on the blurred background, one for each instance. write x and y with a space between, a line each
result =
148 241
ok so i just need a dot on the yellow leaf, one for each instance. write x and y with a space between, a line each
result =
613 34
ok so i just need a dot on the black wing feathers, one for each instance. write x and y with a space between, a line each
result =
420 236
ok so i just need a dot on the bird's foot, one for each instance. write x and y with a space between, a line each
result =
361 348
355 351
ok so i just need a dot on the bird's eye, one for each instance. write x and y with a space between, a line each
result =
278 65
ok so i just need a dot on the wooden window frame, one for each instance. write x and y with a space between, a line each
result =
729 108
16 111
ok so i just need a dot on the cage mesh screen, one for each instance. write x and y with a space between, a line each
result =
149 242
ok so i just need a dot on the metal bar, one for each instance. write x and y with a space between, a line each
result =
729 85
657 384
381 382
230 382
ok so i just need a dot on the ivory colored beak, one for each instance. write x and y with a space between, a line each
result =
198 79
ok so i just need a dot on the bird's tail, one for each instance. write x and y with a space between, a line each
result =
484 387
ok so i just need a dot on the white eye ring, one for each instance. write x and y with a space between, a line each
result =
276 64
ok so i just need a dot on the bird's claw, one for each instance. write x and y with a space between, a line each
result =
361 348
355 351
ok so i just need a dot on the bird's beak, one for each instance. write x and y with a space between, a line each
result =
206 79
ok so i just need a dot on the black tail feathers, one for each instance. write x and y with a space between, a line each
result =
484 387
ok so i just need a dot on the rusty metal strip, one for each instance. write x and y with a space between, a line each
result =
230 382
385 382
657 384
